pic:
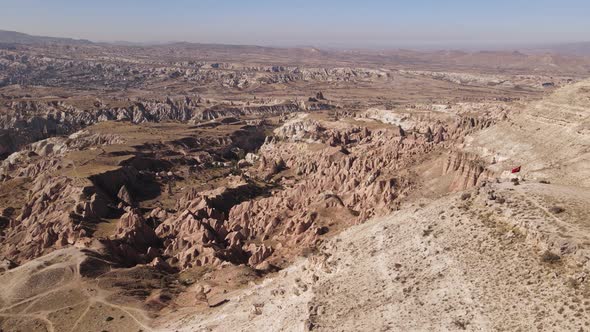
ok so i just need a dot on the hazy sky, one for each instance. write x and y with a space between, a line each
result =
304 22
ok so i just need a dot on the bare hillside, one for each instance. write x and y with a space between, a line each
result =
453 264
550 138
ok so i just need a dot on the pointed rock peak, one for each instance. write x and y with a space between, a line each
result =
402 132
429 135
125 196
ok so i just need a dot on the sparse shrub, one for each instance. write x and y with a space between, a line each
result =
549 257
556 209
308 252
322 230
573 283
544 182
427 232
465 196
460 324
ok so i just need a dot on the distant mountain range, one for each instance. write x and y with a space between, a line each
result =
13 37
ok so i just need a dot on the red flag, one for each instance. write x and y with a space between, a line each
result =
516 170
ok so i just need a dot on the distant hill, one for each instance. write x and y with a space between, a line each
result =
13 37
573 48
579 49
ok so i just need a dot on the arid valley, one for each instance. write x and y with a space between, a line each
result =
201 187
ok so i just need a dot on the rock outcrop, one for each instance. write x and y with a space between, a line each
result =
466 170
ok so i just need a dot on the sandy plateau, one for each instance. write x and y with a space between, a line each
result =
222 188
